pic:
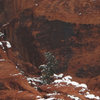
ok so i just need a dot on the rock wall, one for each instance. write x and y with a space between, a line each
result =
73 11
19 32
76 46
69 29
9 9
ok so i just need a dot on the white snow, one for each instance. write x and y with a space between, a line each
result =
5 24
20 91
1 44
33 80
16 67
68 80
53 94
1 34
2 59
82 90
60 85
58 76
8 44
91 96
38 97
80 13
16 74
36 4
73 97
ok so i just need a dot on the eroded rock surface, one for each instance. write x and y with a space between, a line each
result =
70 29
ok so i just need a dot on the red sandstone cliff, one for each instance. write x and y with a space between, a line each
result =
70 29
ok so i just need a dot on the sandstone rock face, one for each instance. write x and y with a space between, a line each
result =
13 83
10 8
68 28
73 11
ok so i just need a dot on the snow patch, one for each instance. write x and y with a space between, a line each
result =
40 98
36 79
8 44
1 34
68 80
5 24
16 74
1 44
2 60
20 91
91 96
73 97
36 4
53 94
58 76
82 90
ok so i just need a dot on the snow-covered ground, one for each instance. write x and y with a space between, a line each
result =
59 79
68 81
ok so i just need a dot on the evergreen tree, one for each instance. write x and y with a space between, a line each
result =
48 69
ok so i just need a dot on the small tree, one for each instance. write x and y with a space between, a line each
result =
48 69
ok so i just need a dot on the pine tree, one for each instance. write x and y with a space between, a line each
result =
48 69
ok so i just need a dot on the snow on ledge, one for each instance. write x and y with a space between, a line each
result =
16 74
59 79
58 76
34 79
53 94
91 96
73 97
40 98
68 80
8 44
1 44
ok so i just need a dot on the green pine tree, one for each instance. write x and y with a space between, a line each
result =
49 68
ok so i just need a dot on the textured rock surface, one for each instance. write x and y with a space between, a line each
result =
74 11
70 29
